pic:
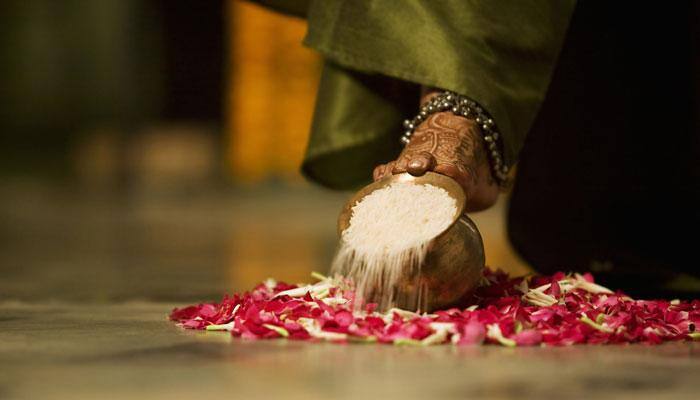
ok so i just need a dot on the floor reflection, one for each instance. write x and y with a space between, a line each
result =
89 277
68 243
190 245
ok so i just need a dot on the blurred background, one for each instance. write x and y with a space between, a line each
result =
150 150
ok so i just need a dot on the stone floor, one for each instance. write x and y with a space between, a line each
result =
88 277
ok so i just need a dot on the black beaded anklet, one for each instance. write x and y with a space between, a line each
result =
468 108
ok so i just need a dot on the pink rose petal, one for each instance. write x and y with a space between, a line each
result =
578 317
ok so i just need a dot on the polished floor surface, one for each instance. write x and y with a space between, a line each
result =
87 278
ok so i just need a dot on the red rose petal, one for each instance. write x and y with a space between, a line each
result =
529 337
472 333
343 318
578 316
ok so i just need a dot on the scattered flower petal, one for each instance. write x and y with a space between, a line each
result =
554 310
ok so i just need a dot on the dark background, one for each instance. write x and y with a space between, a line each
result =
69 67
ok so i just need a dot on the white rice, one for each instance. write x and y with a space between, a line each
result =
388 236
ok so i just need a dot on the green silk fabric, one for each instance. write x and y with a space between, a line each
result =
378 53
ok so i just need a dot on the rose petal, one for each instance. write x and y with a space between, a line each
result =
556 310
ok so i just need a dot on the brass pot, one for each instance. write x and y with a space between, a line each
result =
455 260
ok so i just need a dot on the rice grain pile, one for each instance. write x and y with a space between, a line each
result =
387 239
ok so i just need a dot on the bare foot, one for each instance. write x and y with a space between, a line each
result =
453 146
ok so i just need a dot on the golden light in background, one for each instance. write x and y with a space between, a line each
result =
272 85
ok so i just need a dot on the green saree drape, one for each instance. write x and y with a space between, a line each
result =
378 53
